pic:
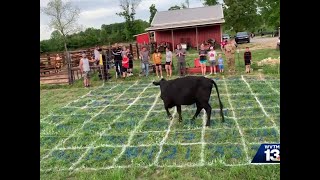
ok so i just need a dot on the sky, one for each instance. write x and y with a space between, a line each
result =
94 13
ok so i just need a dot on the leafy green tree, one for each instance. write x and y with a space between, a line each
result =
63 18
153 11
270 12
128 8
210 2
241 15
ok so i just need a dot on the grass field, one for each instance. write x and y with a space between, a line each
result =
119 130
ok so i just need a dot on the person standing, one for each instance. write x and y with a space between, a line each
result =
145 57
125 65
168 62
181 54
212 60
96 55
220 63
85 69
156 57
203 59
130 56
229 51
124 51
117 60
247 59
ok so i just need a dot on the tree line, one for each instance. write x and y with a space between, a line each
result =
111 33
240 15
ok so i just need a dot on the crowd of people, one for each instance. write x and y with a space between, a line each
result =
123 61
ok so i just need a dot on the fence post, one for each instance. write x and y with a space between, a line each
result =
70 76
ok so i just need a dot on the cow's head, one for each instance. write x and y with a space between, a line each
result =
163 84
159 83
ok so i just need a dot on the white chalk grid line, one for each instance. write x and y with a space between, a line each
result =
101 134
237 124
261 106
84 123
155 163
76 100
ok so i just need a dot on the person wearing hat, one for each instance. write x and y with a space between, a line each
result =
229 51
85 69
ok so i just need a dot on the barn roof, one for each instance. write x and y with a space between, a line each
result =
187 17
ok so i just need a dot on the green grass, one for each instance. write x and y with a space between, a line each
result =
224 139
57 98
271 172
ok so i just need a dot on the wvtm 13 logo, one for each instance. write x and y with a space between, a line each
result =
267 153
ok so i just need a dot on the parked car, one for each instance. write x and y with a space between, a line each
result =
225 37
242 37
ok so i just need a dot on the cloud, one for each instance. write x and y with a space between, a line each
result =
94 13
98 13
45 32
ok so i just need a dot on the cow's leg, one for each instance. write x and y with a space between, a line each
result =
197 112
208 108
168 113
179 112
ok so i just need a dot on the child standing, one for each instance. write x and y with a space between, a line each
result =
156 57
85 69
220 62
130 56
125 65
212 59
247 59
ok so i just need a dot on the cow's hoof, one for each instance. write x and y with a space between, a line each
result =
170 117
207 125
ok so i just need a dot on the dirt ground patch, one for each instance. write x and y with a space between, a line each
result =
260 43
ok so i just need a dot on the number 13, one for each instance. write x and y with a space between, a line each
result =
274 157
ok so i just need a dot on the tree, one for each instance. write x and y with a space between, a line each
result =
183 6
90 37
153 12
241 15
210 2
56 41
270 12
63 18
187 3
128 12
174 8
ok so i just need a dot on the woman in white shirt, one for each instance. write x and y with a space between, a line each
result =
168 62
212 60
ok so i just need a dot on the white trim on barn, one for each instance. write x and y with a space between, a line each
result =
140 34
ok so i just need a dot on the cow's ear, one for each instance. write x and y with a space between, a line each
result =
156 83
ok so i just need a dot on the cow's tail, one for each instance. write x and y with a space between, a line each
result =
221 106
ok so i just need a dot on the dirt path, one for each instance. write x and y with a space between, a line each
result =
260 43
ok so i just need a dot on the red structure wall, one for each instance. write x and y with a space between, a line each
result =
143 38
188 35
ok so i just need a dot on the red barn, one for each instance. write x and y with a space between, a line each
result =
191 26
